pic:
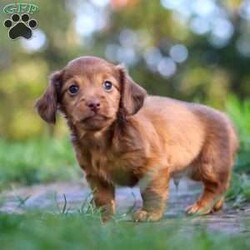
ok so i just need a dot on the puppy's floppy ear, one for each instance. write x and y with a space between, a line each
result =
47 104
132 95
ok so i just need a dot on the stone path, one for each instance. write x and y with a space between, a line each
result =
73 197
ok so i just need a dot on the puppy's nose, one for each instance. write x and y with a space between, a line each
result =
94 105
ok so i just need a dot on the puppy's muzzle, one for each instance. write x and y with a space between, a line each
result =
94 105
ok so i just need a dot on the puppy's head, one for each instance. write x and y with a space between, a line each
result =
91 93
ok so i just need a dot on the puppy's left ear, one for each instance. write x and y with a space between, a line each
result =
47 104
132 95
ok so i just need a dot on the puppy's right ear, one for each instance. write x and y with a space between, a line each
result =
47 105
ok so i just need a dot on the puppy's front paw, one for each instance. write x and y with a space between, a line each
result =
142 215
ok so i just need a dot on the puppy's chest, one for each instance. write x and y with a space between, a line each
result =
122 168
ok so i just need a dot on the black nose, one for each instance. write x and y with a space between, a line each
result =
94 105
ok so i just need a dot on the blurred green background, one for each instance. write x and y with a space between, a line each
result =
197 51
193 50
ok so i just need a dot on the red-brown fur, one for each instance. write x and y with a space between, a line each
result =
133 138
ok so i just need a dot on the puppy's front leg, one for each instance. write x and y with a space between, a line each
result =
104 196
154 192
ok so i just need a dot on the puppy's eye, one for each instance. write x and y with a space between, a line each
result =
107 85
73 89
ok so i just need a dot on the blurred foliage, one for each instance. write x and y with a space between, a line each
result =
37 160
189 50
240 114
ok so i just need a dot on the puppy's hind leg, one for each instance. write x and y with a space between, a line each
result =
212 199
218 205
214 171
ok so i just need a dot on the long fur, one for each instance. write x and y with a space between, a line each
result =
138 139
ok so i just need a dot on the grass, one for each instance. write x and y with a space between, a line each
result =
83 231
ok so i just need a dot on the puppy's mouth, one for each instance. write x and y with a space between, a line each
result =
95 117
95 122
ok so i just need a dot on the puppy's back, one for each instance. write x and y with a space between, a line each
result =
185 128
217 125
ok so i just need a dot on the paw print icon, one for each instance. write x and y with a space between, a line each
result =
20 26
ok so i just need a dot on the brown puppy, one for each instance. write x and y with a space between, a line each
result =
123 136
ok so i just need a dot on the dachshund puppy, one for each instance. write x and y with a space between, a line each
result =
122 136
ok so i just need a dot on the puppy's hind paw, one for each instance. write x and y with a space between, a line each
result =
143 216
197 209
